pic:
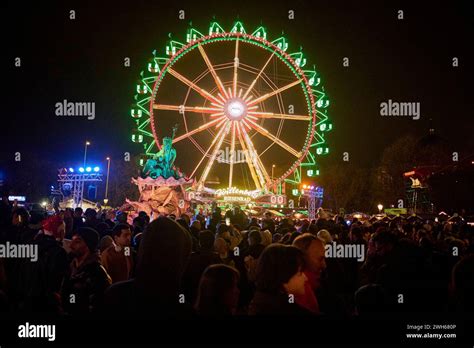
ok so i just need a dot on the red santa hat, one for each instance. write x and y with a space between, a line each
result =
53 225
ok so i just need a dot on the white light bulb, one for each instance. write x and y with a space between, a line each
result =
235 109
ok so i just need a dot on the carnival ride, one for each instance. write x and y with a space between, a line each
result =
235 103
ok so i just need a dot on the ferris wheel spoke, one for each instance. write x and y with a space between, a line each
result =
281 116
257 77
253 173
218 114
207 151
211 161
199 129
261 171
272 93
232 149
236 65
198 89
180 108
270 136
218 81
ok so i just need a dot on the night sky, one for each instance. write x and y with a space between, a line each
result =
82 60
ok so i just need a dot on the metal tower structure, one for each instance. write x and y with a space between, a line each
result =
77 181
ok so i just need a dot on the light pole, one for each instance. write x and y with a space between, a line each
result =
85 152
380 207
106 200
273 167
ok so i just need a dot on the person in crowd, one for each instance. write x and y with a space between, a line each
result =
313 250
5 216
280 277
184 222
121 217
195 228
277 238
110 218
256 247
238 217
268 223
200 217
198 262
105 242
253 223
138 225
462 285
145 217
325 236
83 288
103 229
156 289
267 237
253 253
91 218
68 218
222 247
78 219
136 241
19 231
215 219
187 220
35 284
218 292
371 300
117 259
53 262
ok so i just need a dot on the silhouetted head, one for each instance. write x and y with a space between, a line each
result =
163 255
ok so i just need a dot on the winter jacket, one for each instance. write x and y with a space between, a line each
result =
83 289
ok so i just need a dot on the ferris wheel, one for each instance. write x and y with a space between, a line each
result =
249 114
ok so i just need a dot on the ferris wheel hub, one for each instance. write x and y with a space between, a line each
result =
235 109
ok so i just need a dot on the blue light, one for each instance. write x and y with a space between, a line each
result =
88 169
96 169
71 170
81 169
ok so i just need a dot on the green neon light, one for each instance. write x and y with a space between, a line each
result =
172 47
300 60
193 35
238 28
260 32
215 28
281 43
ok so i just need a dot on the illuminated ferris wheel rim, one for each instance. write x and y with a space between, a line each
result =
235 103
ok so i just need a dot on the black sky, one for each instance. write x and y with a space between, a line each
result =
82 60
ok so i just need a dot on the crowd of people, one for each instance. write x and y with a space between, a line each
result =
94 263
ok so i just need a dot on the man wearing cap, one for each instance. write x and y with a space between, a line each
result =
83 288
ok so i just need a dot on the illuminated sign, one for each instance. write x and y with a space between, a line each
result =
236 199
232 191
395 211
272 199
18 198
